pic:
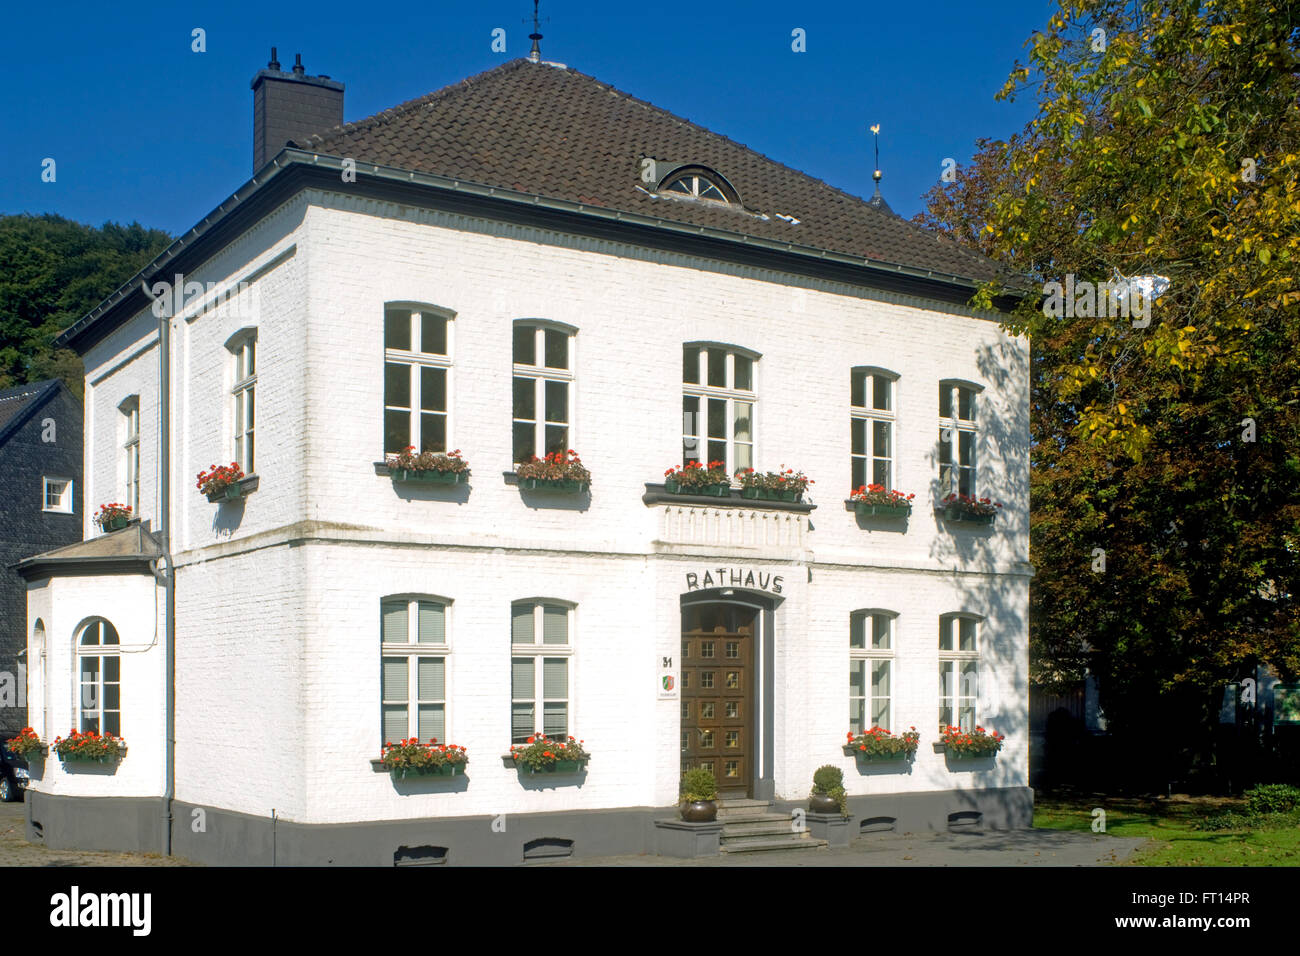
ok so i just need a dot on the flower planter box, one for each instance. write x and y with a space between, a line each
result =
558 766
562 485
80 758
957 514
877 757
866 510
115 524
443 770
722 490
430 477
226 493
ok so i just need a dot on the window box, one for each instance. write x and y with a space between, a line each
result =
866 510
113 517
694 478
27 745
548 755
784 485
561 485
225 483
430 467
559 471
863 757
89 748
559 766
444 770
414 759
878 745
956 514
429 477
958 744
969 509
720 490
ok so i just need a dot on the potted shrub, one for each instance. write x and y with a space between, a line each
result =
959 744
879 744
694 478
874 500
221 481
828 794
434 467
970 509
89 747
699 796
558 471
113 517
26 744
549 755
412 757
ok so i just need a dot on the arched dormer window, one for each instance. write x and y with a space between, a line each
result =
99 698
698 182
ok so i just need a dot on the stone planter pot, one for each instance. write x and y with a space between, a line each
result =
700 811
866 510
823 803
562 485
957 514
430 477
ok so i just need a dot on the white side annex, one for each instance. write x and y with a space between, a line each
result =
568 612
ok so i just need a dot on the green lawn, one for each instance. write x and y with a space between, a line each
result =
1170 826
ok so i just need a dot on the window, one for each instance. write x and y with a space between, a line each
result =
244 393
958 671
540 650
542 397
413 651
957 438
698 182
57 495
99 703
417 372
718 405
130 410
871 670
871 419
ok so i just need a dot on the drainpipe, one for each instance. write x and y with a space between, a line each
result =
169 578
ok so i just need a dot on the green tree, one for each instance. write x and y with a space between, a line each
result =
1166 144
52 272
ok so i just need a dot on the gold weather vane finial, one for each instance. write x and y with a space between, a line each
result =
535 54
875 135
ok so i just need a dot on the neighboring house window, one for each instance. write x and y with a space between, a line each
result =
871 418
99 703
417 377
871 670
957 438
130 410
413 652
244 393
718 398
541 646
57 495
542 390
958 671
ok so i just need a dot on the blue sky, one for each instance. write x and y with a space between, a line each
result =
142 128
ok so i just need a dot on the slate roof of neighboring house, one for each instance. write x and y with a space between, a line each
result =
556 132
17 404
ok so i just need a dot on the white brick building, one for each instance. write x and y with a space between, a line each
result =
482 210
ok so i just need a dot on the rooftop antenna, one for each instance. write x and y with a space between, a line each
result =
535 54
878 200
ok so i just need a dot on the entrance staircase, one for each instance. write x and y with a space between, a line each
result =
750 826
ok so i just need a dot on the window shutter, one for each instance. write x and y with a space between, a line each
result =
431 678
555 625
857 630
394 678
395 726
555 678
433 623
521 625
394 616
433 723
521 678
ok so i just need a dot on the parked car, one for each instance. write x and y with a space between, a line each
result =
14 775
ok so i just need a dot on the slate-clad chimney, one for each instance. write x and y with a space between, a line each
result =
291 106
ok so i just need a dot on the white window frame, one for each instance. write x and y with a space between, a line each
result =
130 411
951 659
415 360
952 472
539 651
412 650
64 501
729 394
873 655
870 415
94 702
539 373
243 392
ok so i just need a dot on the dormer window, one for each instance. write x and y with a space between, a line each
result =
688 181
696 186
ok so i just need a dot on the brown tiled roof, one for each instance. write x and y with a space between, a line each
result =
558 133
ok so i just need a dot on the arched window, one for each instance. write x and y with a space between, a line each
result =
414 646
36 674
130 409
719 393
958 437
698 182
543 386
541 645
99 703
871 670
418 346
243 392
959 663
871 421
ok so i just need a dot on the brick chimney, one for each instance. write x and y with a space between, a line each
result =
291 106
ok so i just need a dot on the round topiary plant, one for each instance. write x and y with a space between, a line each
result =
697 785
828 785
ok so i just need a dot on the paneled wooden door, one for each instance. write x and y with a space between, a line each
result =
717 699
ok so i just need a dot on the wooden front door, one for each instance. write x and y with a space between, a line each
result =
717 700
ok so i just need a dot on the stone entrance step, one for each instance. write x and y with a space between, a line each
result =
751 826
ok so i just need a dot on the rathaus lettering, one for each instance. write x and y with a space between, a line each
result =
735 578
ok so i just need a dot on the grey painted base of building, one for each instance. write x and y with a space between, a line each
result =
689 840
225 838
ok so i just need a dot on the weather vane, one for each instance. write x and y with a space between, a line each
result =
875 136
535 54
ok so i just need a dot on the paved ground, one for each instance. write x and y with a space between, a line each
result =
16 851
1014 848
